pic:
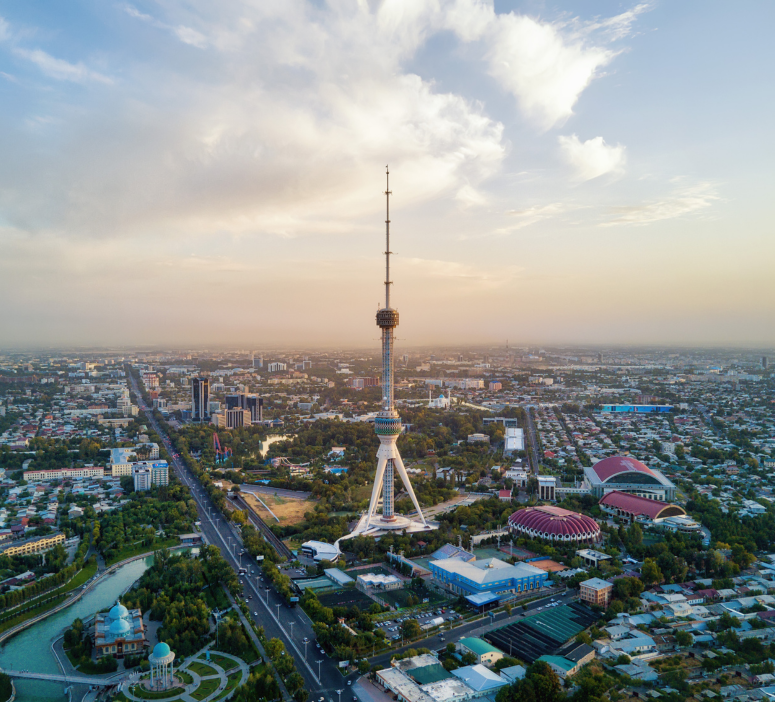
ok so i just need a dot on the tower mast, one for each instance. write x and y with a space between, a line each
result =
387 424
388 282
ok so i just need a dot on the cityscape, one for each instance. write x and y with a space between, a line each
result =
226 476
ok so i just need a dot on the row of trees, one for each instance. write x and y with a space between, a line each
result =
61 574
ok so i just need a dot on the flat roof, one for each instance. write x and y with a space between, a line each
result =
597 583
478 646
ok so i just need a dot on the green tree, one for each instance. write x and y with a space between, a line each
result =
650 572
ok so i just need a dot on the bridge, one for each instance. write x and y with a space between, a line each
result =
69 679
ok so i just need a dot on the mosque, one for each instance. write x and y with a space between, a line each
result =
119 633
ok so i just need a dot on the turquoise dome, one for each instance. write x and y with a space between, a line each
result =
119 627
118 612
161 650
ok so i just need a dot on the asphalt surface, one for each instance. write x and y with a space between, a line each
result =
477 628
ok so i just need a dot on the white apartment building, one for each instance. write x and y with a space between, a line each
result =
38 476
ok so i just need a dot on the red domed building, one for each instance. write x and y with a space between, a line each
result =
554 524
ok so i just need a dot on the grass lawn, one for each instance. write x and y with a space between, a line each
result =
201 669
206 688
138 550
156 694
184 676
225 663
232 682
399 598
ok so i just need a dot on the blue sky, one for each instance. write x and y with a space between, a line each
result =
197 172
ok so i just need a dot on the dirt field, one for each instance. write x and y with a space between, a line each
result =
288 511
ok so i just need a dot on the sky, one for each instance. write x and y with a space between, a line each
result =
198 173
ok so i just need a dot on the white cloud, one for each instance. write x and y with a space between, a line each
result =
616 27
531 215
592 158
191 36
545 67
470 197
685 200
544 71
61 69
463 274
287 135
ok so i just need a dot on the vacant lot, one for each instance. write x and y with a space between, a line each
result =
288 511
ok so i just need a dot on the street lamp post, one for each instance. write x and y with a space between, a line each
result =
266 589
319 662
339 692
278 611
291 623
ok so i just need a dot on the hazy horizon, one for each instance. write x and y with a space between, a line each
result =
192 175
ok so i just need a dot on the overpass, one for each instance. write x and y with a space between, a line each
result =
69 679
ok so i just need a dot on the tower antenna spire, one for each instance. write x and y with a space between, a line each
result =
388 282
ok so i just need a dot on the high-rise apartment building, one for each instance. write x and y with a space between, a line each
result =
200 399
142 479
237 417
246 401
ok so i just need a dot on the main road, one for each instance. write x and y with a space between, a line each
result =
268 609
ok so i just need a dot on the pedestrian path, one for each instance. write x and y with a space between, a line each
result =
209 679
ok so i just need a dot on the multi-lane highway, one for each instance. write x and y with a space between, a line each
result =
267 608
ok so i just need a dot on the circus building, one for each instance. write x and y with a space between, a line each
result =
653 512
554 524
119 633
626 474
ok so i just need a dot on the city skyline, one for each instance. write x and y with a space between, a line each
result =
197 176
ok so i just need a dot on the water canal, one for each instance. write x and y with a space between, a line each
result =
31 649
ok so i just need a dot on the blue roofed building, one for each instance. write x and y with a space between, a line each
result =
488 575
452 551
480 679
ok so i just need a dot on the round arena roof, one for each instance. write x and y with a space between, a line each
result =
616 465
555 524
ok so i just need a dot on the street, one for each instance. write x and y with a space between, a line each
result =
477 628
290 625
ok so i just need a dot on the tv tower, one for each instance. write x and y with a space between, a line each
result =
387 423
388 426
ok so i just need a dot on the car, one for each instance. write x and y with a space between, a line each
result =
305 640
255 614
349 682
355 699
